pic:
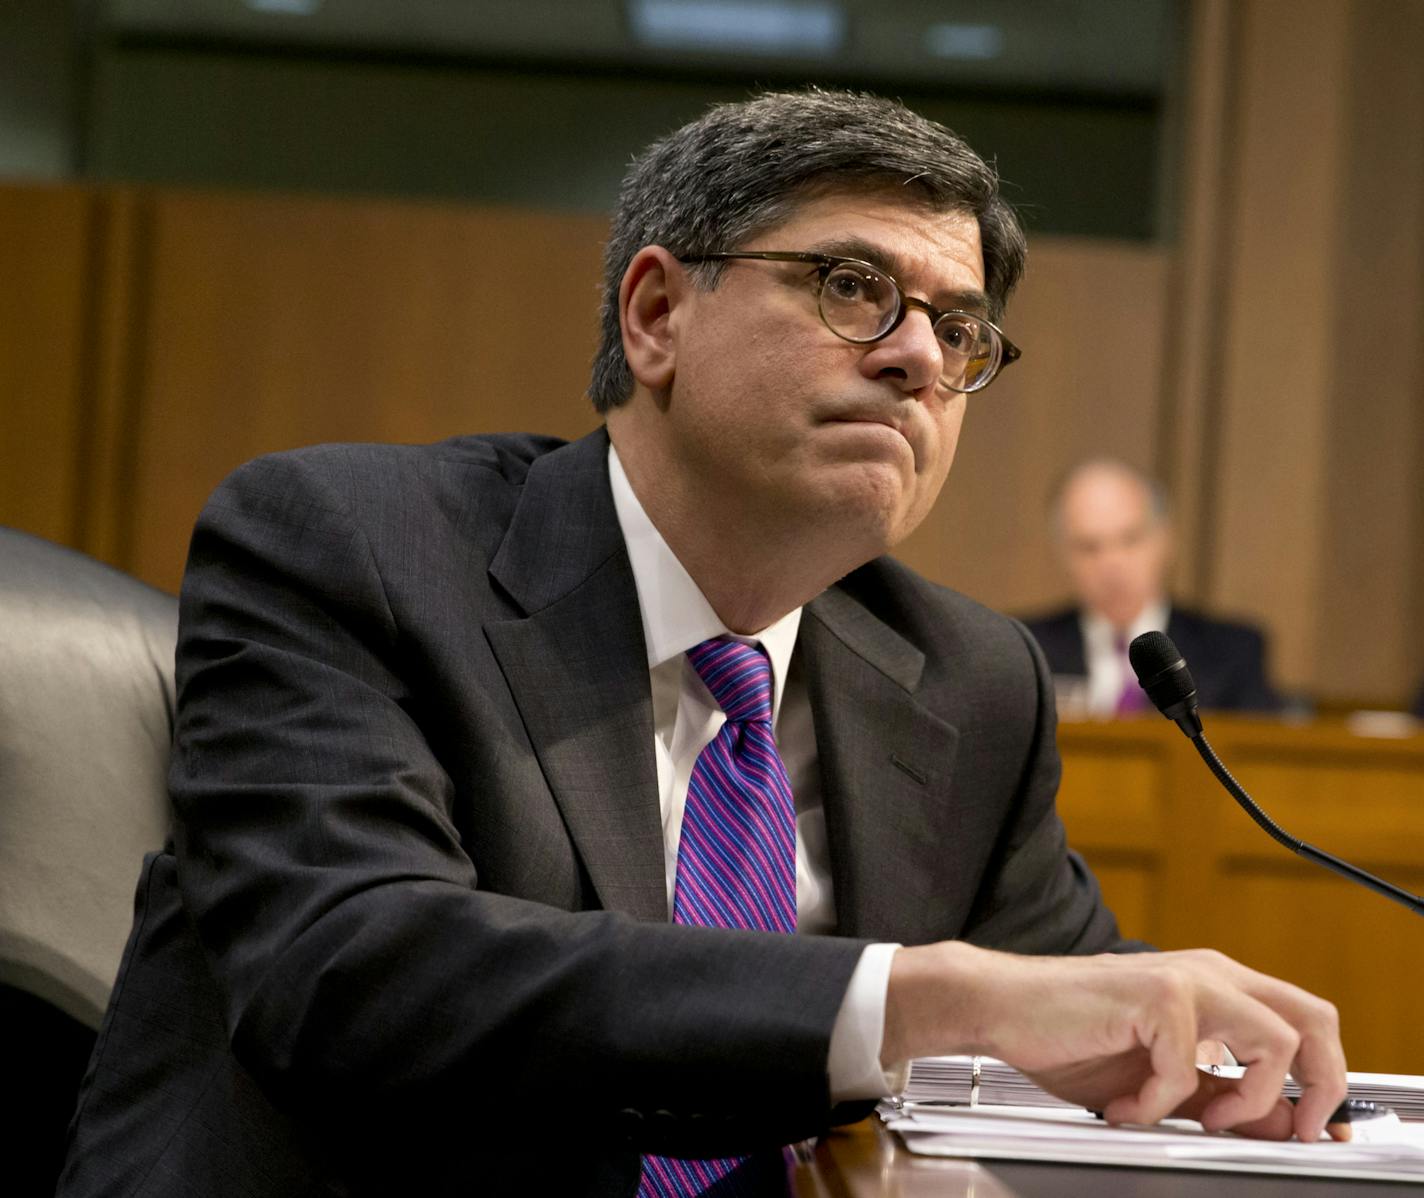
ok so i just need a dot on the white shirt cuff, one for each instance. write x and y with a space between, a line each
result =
854 1065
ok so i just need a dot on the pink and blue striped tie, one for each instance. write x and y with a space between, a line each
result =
736 858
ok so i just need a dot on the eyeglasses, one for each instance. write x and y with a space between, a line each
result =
861 303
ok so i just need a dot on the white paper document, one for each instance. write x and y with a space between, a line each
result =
1068 1134
974 1080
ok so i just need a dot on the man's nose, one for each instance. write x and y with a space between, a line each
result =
911 356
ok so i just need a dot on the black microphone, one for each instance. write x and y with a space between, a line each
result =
1163 674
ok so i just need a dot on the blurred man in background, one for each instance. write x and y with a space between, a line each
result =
1113 533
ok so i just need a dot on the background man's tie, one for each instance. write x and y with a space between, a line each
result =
736 858
1131 699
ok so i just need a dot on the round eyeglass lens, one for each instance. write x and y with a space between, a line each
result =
971 351
857 303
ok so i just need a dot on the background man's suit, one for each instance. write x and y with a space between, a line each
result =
1227 661
415 730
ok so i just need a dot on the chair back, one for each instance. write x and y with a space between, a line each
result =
86 721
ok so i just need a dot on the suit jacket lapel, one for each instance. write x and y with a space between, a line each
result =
577 667
886 765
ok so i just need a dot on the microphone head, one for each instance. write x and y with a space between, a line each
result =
1151 654
1163 674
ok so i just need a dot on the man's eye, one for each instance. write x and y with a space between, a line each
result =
848 286
962 336
852 285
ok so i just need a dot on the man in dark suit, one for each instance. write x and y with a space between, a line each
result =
1113 532
482 838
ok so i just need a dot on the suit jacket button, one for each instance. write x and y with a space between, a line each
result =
630 1121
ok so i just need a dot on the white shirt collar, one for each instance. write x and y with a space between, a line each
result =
676 615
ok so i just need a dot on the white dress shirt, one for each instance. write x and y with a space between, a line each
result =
676 616
1106 670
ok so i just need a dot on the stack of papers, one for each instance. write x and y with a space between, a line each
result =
1066 1134
1402 1091
983 1081
972 1081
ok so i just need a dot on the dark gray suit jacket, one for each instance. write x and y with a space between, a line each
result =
414 914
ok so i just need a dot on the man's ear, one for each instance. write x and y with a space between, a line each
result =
653 286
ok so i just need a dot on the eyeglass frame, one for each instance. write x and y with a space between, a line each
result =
829 262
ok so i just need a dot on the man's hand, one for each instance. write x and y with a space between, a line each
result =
1119 1034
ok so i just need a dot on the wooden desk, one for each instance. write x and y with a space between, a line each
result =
866 1161
1184 866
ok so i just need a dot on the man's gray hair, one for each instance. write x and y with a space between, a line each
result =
744 168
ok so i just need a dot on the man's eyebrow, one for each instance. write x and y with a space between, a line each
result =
971 300
866 251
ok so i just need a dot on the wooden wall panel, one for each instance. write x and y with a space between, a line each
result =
1196 317
1129 885
1374 469
47 243
114 397
272 322
1277 357
1314 470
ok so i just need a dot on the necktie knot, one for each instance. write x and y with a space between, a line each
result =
738 675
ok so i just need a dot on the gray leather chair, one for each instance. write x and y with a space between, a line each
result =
86 718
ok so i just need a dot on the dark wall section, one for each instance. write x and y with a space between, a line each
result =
547 139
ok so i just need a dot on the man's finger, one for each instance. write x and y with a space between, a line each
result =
1319 1061
1319 1067
1278 1123
1258 1090
1173 1072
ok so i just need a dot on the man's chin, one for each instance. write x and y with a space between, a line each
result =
1121 616
880 488
877 523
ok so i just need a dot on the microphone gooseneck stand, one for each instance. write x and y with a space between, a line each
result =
1163 674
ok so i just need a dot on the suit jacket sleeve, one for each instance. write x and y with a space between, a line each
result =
363 970
1038 896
